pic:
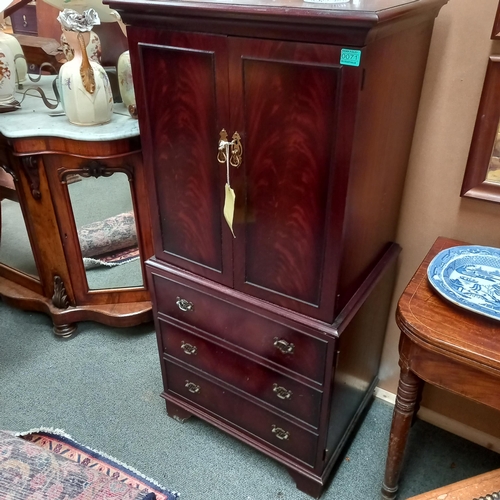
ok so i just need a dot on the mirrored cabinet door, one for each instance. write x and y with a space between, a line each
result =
15 246
107 230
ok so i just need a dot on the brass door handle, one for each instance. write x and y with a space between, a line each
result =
184 305
234 148
284 346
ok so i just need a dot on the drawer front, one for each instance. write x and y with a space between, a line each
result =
243 414
280 391
273 341
24 20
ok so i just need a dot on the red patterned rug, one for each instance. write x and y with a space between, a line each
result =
60 443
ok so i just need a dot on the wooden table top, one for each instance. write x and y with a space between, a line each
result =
438 325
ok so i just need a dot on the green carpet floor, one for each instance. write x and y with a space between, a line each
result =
103 387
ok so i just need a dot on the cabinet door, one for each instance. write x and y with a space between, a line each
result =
294 106
182 95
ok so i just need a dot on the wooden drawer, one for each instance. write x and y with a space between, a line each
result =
243 328
243 414
268 385
24 20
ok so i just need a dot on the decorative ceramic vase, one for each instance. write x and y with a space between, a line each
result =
7 75
93 48
125 82
17 51
85 90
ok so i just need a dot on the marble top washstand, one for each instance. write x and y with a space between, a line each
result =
35 119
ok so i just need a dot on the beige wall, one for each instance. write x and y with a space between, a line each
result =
432 205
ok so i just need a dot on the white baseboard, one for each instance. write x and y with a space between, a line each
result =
447 424
387 396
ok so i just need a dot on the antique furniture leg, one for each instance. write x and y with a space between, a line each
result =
65 331
176 412
406 401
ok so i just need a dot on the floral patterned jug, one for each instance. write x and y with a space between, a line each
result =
7 75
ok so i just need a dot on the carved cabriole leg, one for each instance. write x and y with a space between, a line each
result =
406 402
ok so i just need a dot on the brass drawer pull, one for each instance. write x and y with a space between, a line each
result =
284 346
281 392
281 433
192 388
185 305
188 348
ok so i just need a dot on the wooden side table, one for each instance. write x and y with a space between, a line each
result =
43 154
443 345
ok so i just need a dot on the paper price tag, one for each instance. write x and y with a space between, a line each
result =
229 207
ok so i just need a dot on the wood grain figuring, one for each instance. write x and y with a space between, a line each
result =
242 329
287 20
254 420
37 162
444 345
479 487
289 116
297 150
380 152
185 135
300 401
325 148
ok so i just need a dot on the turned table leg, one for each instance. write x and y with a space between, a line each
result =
406 402
64 331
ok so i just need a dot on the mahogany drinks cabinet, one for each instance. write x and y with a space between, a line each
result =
274 335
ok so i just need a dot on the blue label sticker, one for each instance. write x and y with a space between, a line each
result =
350 57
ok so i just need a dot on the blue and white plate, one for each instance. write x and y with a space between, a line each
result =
468 276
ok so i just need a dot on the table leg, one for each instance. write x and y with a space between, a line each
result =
406 401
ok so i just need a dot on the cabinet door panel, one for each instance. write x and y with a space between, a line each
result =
182 114
288 232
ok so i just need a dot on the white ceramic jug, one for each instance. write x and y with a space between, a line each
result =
84 85
7 75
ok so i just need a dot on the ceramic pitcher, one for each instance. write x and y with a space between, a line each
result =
7 75
84 85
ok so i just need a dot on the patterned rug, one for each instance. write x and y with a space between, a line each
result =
60 443
109 242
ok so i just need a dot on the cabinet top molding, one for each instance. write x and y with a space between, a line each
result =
355 23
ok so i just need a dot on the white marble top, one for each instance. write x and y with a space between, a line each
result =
34 119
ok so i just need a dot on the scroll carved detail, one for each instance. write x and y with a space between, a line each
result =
9 171
95 168
60 297
30 167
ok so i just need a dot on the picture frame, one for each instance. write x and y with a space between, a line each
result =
495 33
482 172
